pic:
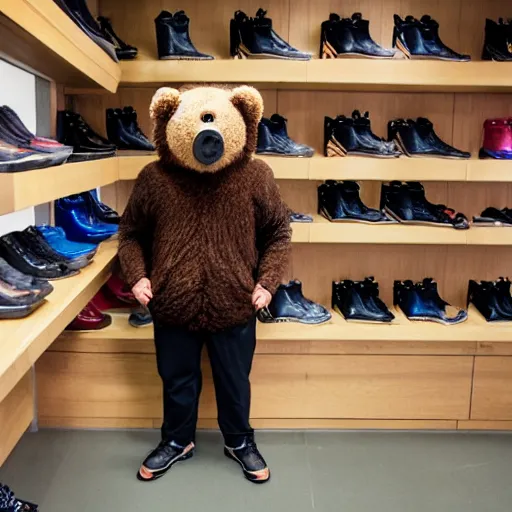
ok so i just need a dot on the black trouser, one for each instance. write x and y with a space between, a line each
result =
178 355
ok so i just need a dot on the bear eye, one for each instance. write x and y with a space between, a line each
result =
207 118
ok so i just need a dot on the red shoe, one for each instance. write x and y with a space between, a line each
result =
120 290
90 319
105 300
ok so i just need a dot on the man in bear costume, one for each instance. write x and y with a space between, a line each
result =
204 242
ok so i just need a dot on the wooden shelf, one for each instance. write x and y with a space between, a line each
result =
489 236
319 168
39 35
475 329
339 74
24 340
23 189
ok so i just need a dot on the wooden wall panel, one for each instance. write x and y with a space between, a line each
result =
392 387
492 389
16 414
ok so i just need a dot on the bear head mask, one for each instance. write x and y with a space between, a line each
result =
206 129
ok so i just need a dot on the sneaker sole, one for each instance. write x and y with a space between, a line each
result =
246 473
391 222
161 472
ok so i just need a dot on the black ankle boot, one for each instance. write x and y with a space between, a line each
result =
498 41
124 132
350 36
123 51
419 39
346 136
255 38
173 38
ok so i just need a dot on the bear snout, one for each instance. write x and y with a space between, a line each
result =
208 146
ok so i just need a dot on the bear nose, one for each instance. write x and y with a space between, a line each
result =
208 147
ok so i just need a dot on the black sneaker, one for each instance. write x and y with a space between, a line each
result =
250 459
10 503
162 458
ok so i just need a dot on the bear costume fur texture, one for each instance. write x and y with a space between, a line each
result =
205 235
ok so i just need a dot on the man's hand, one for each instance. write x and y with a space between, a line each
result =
142 291
260 297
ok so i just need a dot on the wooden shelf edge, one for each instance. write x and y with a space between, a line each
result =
24 340
46 22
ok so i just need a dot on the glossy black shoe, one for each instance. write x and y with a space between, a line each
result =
273 139
162 458
418 139
23 259
419 39
100 211
251 461
32 238
123 130
498 41
494 217
173 38
350 37
339 201
79 13
490 301
20 281
140 317
346 136
421 301
255 38
358 301
73 131
407 204
123 51
290 305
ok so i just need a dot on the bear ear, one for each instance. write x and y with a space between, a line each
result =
248 101
164 103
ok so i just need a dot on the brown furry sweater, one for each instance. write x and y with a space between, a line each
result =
204 240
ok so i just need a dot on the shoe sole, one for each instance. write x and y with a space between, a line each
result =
430 319
409 56
328 52
161 472
83 157
490 224
419 222
285 155
184 57
400 143
334 148
13 312
246 473
265 317
359 321
244 53
330 219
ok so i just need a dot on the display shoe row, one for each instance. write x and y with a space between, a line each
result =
124 51
497 137
419 139
494 217
78 11
85 219
20 294
9 502
289 305
353 136
339 201
123 130
407 203
421 301
358 301
350 37
273 139
492 299
498 40
73 131
21 150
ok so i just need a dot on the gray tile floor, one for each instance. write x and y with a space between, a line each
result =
88 471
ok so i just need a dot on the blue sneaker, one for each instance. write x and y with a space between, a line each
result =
72 213
56 237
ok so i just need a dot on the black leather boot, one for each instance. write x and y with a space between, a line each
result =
489 301
494 217
255 38
343 136
498 41
273 139
418 139
350 37
123 51
123 130
419 39
340 202
173 38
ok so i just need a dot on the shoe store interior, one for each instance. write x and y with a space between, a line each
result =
382 373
